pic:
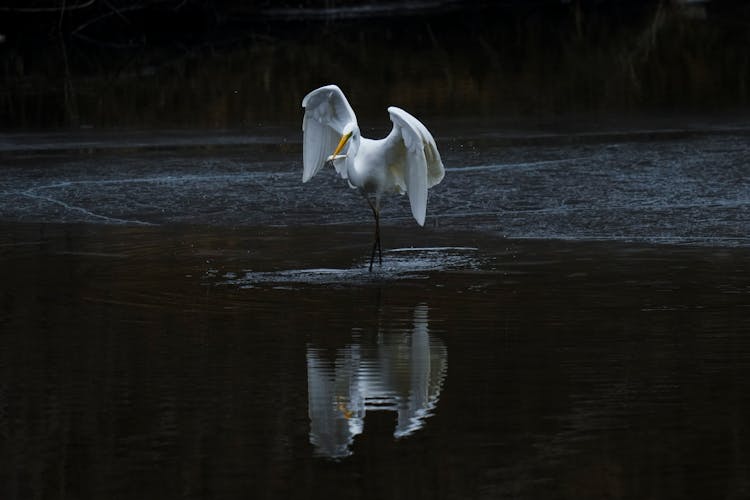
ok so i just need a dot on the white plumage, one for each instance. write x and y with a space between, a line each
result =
405 161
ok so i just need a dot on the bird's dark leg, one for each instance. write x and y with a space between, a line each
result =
376 244
377 237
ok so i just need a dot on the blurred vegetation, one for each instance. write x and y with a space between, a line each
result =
166 63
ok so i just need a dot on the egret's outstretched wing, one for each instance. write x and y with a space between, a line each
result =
416 159
326 114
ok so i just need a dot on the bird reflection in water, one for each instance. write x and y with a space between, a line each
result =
399 370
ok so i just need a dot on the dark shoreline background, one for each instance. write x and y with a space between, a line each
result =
232 64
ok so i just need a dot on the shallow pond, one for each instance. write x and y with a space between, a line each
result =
192 322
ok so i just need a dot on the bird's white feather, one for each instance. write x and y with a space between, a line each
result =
418 164
327 112
406 161
423 138
416 185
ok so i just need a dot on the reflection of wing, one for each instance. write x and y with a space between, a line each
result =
335 410
403 371
427 369
326 114
416 159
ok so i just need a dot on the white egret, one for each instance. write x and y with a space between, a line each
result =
405 161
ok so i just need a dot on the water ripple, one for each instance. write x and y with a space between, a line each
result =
398 264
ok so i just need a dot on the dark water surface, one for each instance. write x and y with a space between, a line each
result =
681 182
194 323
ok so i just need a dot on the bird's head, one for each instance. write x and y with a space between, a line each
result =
350 130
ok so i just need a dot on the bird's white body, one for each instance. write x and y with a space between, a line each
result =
405 161
372 167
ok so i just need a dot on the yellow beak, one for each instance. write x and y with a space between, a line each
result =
342 142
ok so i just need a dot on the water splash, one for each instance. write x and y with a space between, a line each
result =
398 264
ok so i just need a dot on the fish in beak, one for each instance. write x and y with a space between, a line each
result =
342 143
